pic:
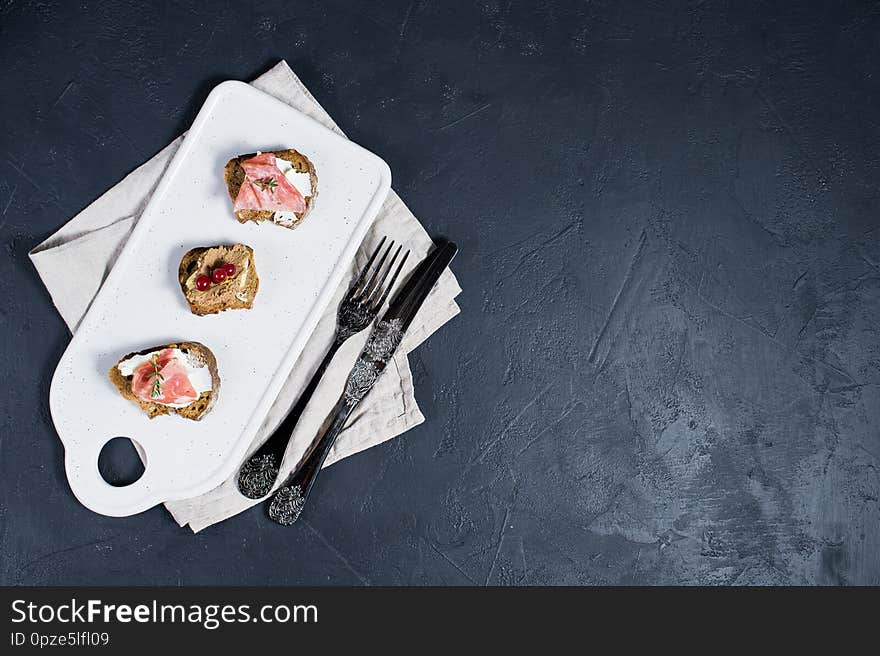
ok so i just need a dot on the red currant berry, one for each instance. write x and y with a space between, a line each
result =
229 267
218 275
203 283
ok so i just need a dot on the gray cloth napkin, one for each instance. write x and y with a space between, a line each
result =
75 260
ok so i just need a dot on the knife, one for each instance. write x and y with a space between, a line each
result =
288 502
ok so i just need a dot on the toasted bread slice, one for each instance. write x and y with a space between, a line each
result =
234 175
236 292
198 356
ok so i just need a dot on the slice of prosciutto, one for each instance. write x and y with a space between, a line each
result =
175 387
266 188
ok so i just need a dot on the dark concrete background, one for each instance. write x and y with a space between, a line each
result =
667 366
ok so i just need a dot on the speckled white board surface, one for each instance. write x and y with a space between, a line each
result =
140 304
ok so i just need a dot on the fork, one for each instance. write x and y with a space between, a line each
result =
365 297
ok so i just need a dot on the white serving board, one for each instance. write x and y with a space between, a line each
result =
140 304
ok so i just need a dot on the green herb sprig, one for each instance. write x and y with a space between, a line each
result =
267 184
157 377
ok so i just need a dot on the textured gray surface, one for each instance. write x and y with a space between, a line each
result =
667 366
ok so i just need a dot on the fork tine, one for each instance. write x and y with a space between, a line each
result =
377 290
357 283
370 285
381 301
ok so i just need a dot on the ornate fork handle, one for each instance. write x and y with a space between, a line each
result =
258 474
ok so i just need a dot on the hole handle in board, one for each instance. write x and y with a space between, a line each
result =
96 494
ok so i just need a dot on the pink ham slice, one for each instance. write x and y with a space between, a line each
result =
266 188
176 386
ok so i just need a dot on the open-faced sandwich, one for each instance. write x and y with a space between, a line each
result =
217 278
175 378
280 186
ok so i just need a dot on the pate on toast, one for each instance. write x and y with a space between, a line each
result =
218 278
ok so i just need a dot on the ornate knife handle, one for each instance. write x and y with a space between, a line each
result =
288 502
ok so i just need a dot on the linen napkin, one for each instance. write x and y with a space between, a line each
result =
74 262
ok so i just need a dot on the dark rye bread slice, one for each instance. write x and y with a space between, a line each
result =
237 292
234 176
195 410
